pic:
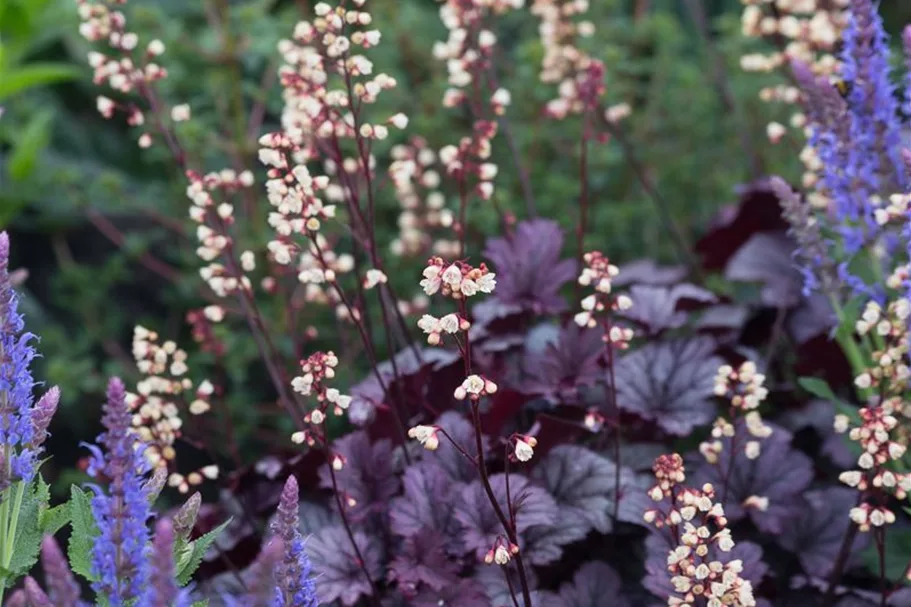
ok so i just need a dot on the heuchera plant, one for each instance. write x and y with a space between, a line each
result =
641 442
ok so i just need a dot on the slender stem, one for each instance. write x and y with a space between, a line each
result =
13 524
485 482
582 224
615 408
362 564
512 591
841 560
879 536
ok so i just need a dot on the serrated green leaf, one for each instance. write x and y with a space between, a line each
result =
33 139
202 603
191 556
817 387
54 519
27 543
33 75
84 533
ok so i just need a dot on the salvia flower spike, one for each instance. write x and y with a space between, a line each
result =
119 558
294 586
62 586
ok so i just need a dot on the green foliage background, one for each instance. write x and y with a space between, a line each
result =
64 167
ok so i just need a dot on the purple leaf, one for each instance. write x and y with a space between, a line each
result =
366 395
562 367
591 585
367 477
669 382
815 535
544 543
335 564
493 579
813 317
766 258
465 593
780 474
659 308
480 525
647 272
447 456
582 482
428 501
422 561
529 270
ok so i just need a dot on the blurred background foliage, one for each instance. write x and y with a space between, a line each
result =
101 226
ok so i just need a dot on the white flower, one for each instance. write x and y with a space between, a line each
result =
399 121
427 435
524 451
373 278
452 276
429 324
449 323
501 555
180 113
487 283
468 287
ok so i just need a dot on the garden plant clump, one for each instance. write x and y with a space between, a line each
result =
393 363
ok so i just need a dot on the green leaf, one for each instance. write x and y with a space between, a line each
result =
202 603
27 542
33 75
191 555
84 533
817 387
32 141
54 519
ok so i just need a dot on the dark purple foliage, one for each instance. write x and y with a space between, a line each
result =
659 308
480 525
422 561
464 593
571 362
367 477
447 456
780 473
428 502
335 564
816 534
670 383
767 259
647 272
593 583
529 271
819 415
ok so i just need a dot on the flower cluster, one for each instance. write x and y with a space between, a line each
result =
599 273
155 406
888 329
214 219
802 30
875 434
699 527
317 369
457 280
743 390
434 327
579 75
474 387
415 175
471 158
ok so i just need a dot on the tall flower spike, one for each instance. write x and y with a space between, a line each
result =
17 432
162 589
42 414
875 127
62 586
294 587
119 555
